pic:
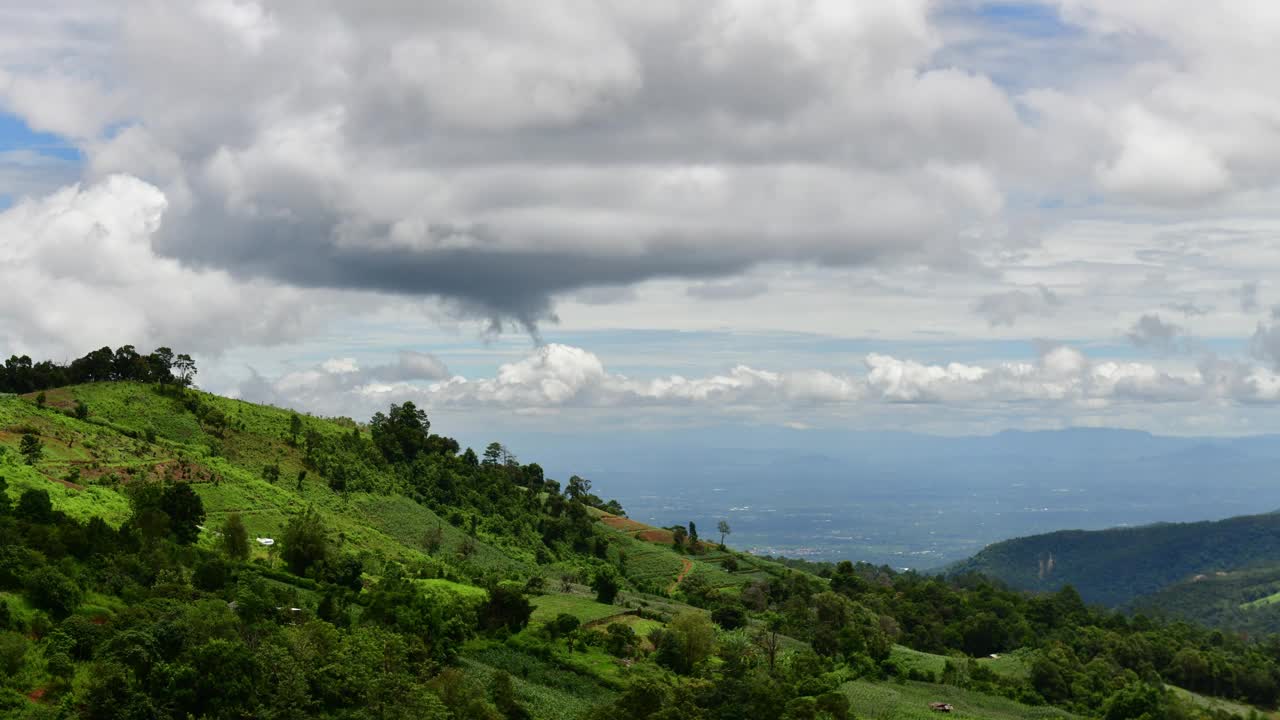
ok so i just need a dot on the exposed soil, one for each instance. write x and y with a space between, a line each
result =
687 566
656 536
623 524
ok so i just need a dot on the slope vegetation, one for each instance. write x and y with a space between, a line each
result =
1114 567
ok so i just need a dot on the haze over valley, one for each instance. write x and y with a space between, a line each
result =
917 501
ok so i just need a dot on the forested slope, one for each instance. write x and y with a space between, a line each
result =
169 553
1114 567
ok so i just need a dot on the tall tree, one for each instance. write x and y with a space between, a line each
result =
305 541
186 369
578 488
34 506
724 529
185 511
235 538
31 448
402 433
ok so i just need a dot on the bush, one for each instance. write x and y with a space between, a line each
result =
13 650
729 617
50 590
606 584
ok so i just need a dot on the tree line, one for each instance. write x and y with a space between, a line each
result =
20 374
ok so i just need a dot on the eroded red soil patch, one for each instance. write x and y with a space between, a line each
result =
656 536
623 524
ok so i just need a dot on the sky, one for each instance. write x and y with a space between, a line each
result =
950 216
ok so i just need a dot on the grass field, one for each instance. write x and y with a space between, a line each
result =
1016 664
1262 602
1220 705
910 701
907 660
548 607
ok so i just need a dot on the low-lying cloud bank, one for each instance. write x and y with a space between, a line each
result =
555 377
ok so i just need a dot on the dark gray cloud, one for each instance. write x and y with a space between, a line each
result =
498 155
1248 293
1265 344
1190 309
1151 332
1005 308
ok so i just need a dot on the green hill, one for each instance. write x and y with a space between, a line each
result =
167 553
1115 567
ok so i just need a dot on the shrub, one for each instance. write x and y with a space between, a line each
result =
13 650
50 590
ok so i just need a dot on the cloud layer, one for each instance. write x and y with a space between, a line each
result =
558 378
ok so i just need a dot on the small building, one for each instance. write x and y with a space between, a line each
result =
266 542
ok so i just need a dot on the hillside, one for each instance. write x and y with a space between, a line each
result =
170 553
1114 567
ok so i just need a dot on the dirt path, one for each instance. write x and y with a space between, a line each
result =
687 566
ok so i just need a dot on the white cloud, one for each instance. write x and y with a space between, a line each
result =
559 378
79 272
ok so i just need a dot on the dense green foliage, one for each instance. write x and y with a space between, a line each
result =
20 375
150 568
1114 567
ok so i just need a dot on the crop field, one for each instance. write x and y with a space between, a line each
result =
910 701
547 689
86 465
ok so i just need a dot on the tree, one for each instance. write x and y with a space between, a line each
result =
606 584
504 697
34 506
729 617
678 536
693 535
50 590
271 473
186 368
433 539
185 511
507 607
6 505
493 454
724 529
41 399
578 488
160 366
561 626
235 538
769 637
82 410
401 435
305 542
295 429
687 641
31 448
620 640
